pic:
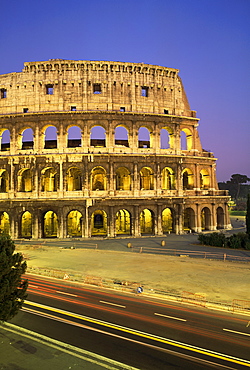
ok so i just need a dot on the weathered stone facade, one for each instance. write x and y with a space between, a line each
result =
103 149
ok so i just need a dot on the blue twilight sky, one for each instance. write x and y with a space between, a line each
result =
207 40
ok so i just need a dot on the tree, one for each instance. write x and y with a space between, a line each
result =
12 287
248 215
238 179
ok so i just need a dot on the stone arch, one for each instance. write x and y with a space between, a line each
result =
186 139
4 223
123 222
206 218
167 138
146 178
204 179
49 179
50 137
123 179
73 179
74 137
26 225
50 225
98 137
144 137
99 223
74 223
167 220
168 178
25 180
187 179
121 136
189 219
98 178
5 139
4 181
220 216
26 139
147 222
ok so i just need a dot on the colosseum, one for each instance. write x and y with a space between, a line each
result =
103 149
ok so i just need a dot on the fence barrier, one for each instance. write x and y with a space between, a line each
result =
194 298
240 306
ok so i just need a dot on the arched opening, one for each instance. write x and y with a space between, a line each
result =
26 225
204 180
4 223
220 218
98 137
74 224
4 181
146 222
50 225
205 219
189 220
186 139
98 178
25 180
27 139
187 179
74 137
73 179
99 223
50 138
167 221
167 178
5 140
49 179
123 222
146 179
123 179
143 138
121 136
167 138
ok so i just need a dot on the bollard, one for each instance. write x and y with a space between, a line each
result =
129 245
163 243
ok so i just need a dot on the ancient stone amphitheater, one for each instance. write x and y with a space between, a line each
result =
94 148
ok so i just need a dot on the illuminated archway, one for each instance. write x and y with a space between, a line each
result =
146 222
25 180
74 137
121 136
5 139
73 179
123 222
146 179
4 181
166 138
99 224
98 178
26 225
98 137
50 225
167 221
205 219
49 179
144 139
187 179
123 179
186 139
50 139
204 179
26 139
168 178
4 223
74 224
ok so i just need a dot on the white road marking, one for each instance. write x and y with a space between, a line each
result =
73 295
113 304
237 332
169 317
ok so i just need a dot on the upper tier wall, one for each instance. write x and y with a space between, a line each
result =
61 85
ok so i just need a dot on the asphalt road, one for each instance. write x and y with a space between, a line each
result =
146 334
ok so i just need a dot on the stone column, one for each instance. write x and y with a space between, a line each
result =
137 231
198 218
35 226
213 225
159 220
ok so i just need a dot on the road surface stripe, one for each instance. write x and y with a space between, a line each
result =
33 286
73 295
236 332
171 342
169 317
113 304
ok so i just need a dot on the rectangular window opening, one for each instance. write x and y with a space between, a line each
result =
3 93
144 91
50 89
73 108
165 111
122 109
97 89
25 110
